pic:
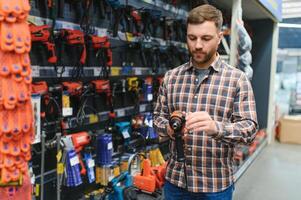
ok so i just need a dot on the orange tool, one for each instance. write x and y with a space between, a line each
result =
159 173
146 181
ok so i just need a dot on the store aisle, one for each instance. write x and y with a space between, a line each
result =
274 175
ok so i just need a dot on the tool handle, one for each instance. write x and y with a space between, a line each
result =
179 147
51 53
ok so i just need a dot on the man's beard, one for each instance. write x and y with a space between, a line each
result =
206 57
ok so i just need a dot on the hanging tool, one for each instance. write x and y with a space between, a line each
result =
75 38
80 140
103 49
42 34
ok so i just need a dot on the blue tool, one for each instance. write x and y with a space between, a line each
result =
104 148
126 179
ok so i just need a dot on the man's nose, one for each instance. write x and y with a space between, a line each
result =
199 44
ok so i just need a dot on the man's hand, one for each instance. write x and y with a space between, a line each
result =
170 132
200 121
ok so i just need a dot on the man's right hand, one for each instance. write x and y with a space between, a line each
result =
170 132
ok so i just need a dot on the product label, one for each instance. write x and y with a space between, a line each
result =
74 161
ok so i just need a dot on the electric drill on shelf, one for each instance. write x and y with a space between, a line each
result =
80 140
177 123
42 34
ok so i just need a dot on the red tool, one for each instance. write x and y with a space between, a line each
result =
103 86
103 43
76 37
42 34
73 88
80 140
39 88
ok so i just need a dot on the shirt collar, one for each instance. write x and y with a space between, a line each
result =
216 65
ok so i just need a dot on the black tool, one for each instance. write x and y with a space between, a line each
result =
177 122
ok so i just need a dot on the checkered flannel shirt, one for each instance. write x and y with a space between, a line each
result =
227 95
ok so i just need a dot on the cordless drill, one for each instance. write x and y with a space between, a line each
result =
177 122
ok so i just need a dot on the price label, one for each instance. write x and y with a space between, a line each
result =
66 101
97 71
93 118
115 71
110 146
138 71
37 190
125 134
149 97
33 179
74 161
67 112
142 108
59 156
129 37
60 168
120 112
35 71
91 163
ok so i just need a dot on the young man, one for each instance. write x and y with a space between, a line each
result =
220 111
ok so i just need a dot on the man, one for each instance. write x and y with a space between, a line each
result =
219 105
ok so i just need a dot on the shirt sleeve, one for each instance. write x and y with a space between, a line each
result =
161 112
243 125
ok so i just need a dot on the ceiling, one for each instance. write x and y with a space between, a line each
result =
291 9
252 10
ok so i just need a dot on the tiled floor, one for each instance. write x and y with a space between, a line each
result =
274 175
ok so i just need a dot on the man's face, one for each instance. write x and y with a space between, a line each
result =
202 41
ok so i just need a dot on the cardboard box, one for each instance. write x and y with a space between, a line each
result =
290 129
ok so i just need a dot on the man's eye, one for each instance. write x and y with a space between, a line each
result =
192 38
207 39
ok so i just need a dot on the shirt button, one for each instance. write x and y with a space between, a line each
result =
196 80
195 97
189 149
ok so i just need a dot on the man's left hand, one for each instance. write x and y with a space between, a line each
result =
200 121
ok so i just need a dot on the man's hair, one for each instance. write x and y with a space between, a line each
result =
203 13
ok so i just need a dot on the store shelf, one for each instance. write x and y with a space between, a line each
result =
249 161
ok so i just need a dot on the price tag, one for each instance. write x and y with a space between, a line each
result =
59 156
97 71
93 118
91 163
60 168
120 112
110 146
129 37
115 71
142 108
125 134
138 71
74 161
66 100
35 71
149 97
37 190
33 179
67 112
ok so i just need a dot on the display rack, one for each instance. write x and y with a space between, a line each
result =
247 163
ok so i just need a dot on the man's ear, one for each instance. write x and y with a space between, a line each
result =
220 36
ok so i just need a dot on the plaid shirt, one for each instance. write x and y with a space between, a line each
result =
227 95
